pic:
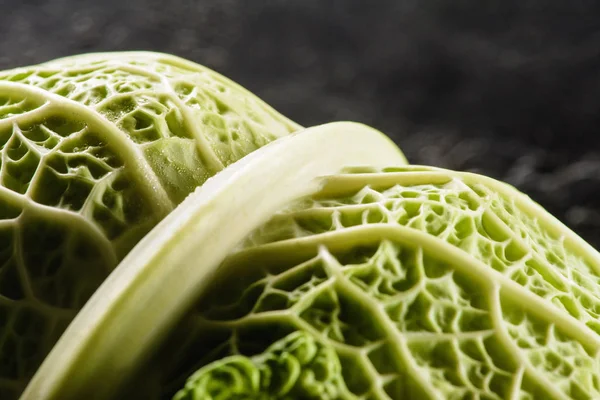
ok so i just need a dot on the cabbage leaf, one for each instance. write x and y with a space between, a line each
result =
94 151
258 260
427 283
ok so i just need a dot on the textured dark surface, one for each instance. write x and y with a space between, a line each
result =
509 88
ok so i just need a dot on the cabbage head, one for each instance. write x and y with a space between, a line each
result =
258 260
96 150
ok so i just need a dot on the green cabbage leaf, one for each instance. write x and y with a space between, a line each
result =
427 283
260 260
94 151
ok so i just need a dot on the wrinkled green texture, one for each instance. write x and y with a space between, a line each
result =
426 283
296 367
95 150
402 283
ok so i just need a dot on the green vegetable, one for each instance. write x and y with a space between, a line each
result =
411 282
427 283
95 151
318 266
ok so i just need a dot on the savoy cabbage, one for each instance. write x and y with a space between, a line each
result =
260 260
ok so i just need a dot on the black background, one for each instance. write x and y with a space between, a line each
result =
508 88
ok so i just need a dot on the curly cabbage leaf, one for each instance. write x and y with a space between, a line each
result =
427 283
94 151
285 274
295 367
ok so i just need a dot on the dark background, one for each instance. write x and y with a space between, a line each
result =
508 88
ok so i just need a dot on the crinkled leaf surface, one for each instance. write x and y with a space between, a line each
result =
295 367
426 283
398 283
94 151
